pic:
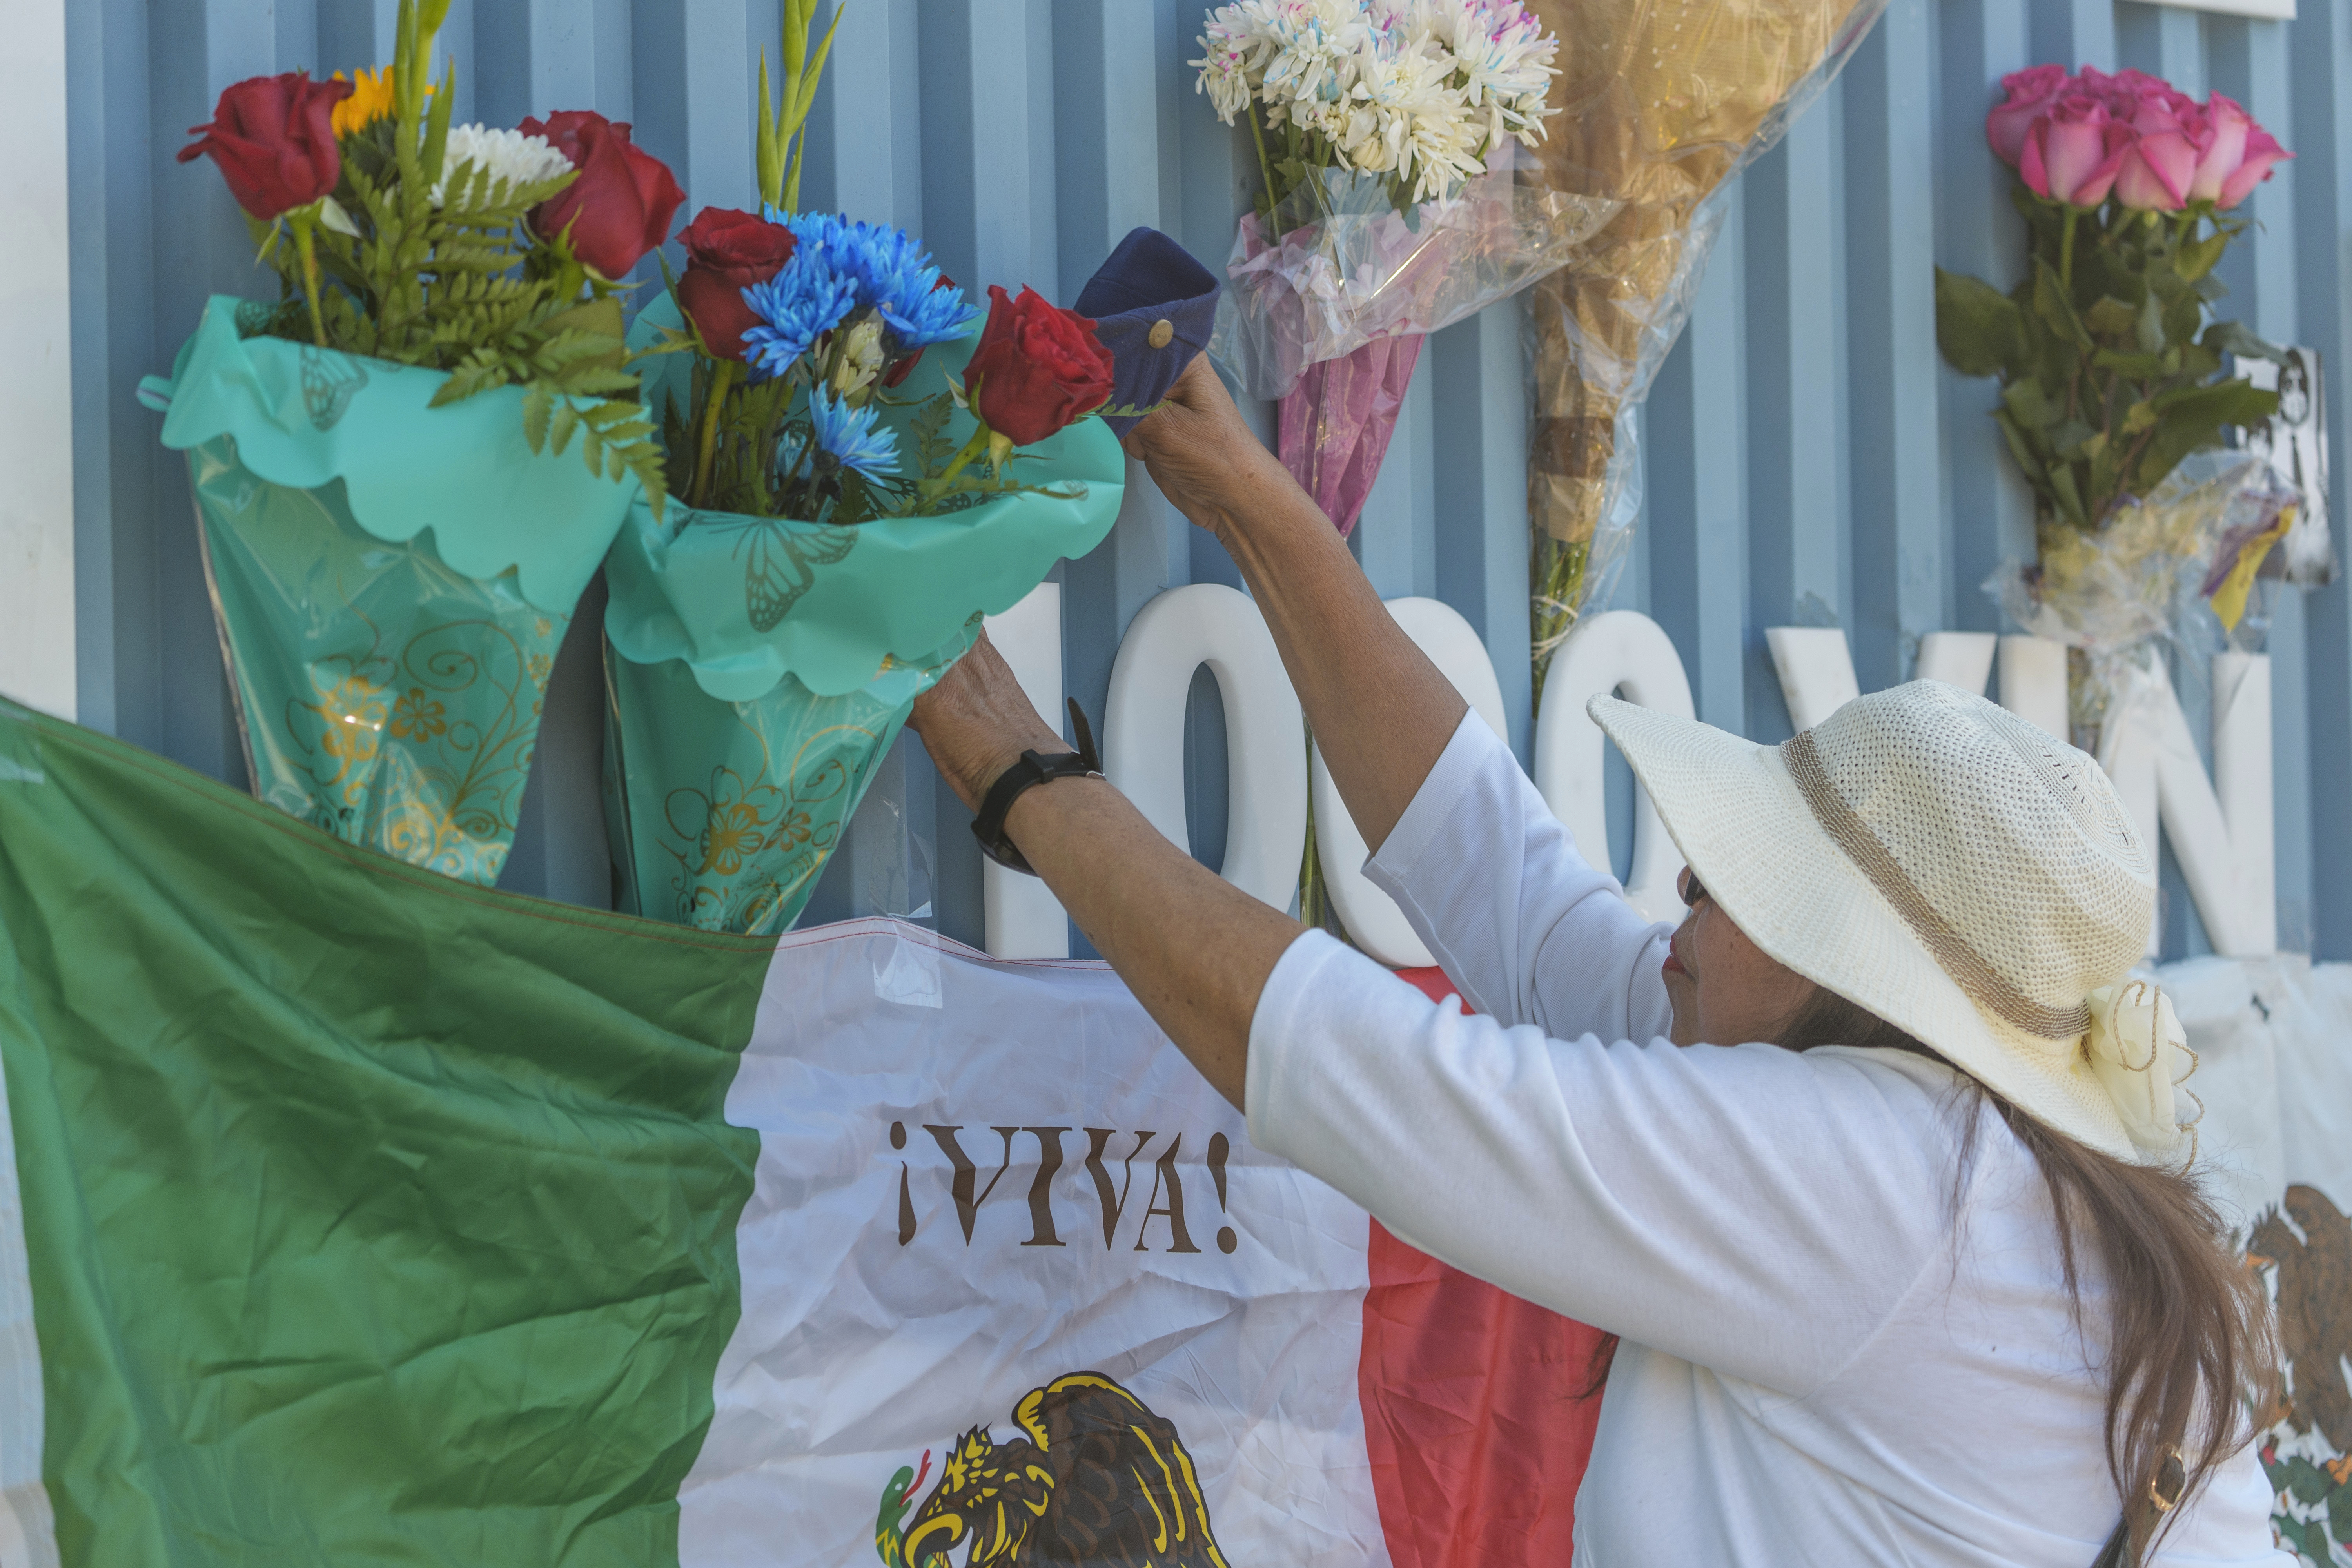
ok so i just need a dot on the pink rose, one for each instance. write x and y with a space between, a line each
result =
2030 92
2072 153
2235 155
2160 162
2262 155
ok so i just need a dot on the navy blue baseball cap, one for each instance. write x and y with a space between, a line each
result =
1154 308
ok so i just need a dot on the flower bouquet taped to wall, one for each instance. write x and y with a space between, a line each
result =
2117 381
859 472
1662 102
395 532
1392 140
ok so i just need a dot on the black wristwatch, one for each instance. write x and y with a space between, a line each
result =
1030 771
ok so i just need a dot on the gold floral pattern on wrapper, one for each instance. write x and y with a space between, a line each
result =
393 768
382 696
724 815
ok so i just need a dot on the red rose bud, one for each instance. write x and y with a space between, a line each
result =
905 367
1038 368
274 139
726 253
621 206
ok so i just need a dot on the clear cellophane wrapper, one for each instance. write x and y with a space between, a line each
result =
1662 102
2119 595
1338 267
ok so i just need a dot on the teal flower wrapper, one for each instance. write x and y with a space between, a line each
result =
745 601
758 669
304 417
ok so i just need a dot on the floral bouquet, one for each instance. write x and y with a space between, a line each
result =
1664 102
1387 134
394 539
857 479
2112 368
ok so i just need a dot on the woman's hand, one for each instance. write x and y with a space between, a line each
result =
977 721
1207 459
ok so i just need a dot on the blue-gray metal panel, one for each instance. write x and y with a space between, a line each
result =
1805 457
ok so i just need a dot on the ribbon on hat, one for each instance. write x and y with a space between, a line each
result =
2140 1053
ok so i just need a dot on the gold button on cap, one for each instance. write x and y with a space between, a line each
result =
1163 332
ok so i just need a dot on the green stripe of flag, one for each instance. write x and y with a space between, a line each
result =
371 1217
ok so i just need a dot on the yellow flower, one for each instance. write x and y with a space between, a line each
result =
417 717
371 101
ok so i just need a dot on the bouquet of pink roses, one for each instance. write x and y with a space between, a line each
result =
2112 372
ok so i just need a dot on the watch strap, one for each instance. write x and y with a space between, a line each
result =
1033 769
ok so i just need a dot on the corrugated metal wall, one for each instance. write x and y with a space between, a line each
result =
1808 459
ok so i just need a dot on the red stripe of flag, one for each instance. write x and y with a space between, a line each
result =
1473 1409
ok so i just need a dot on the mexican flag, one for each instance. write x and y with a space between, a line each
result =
353 1214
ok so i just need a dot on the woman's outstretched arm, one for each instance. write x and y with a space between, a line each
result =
1380 711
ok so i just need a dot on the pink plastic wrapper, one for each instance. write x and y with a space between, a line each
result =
1327 316
1335 424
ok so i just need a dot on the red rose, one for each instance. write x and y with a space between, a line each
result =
726 253
1037 367
622 204
274 139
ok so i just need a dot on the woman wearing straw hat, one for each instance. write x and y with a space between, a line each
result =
1903 1249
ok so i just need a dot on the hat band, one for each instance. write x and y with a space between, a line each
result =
1984 984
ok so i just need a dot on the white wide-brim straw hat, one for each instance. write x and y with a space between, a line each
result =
1936 859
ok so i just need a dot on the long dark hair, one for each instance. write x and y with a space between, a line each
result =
2188 1336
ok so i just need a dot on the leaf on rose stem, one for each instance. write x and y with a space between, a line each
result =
2069 498
2139 366
1978 327
2190 419
2197 256
2110 317
2050 302
2021 447
2086 444
2234 338
2031 405
2182 320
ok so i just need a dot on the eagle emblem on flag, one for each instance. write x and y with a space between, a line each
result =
1095 1478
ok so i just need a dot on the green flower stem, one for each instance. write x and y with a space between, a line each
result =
980 437
2066 249
1265 168
304 221
723 378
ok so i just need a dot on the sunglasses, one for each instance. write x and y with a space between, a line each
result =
1693 889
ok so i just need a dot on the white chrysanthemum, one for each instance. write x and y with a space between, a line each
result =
1421 89
513 159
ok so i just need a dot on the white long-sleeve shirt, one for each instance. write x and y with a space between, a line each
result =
1831 1354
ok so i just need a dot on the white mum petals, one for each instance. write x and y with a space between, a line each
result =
510 156
1420 87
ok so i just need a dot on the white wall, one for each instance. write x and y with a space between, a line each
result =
36 617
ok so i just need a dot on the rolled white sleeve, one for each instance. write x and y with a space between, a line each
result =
1526 929
1750 1209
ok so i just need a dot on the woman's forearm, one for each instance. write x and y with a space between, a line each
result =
1195 950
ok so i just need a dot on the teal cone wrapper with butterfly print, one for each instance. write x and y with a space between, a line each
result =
392 583
757 669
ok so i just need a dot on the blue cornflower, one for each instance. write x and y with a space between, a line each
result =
802 303
851 437
889 270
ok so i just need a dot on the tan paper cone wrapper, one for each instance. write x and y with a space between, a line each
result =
1662 101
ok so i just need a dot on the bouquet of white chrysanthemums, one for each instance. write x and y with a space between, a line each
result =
1416 91
1388 133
